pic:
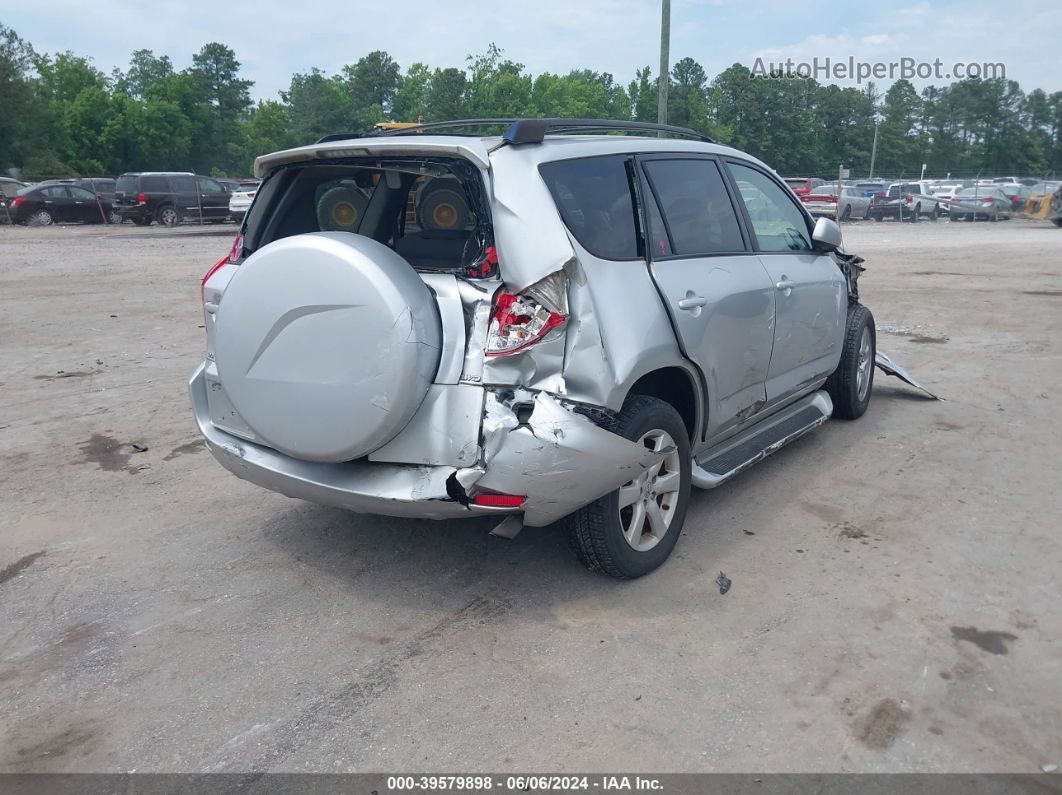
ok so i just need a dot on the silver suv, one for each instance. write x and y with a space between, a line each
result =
553 323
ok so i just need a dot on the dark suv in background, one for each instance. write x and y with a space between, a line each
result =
169 197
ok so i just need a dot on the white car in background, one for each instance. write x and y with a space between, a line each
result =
240 201
823 201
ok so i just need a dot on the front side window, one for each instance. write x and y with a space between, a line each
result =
56 192
696 207
593 195
778 223
81 193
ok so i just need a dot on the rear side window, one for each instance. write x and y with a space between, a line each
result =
126 184
593 195
56 192
155 184
210 186
778 223
696 206
183 184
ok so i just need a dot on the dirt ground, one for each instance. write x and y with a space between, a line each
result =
895 598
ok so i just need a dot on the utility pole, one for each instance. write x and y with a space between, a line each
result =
665 47
873 150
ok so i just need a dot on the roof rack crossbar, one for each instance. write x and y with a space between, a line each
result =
531 131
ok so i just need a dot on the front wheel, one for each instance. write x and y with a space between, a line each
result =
631 531
847 214
850 384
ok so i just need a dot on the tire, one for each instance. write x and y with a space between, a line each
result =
866 215
141 221
852 382
41 218
846 214
114 218
443 209
879 218
597 530
916 214
340 209
167 215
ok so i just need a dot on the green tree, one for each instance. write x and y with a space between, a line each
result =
371 84
446 95
16 98
687 103
145 70
497 88
316 105
643 92
411 98
215 73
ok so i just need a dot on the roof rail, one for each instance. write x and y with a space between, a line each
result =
533 131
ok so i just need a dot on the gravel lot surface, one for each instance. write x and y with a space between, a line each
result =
895 599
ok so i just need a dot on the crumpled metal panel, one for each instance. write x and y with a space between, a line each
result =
443 432
530 237
559 460
889 367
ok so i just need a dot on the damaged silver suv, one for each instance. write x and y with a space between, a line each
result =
558 322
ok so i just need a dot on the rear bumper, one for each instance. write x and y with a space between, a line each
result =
557 459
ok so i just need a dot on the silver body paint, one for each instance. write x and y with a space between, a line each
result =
766 337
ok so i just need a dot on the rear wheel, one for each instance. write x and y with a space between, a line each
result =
631 531
850 384
847 214
41 218
167 216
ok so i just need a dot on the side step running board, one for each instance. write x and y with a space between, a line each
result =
736 455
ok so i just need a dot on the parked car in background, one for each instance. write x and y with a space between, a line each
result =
804 185
9 189
230 185
1018 193
59 203
240 201
100 186
991 204
909 201
169 198
870 188
824 201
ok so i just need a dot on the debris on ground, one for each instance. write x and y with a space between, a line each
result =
140 448
723 582
1049 767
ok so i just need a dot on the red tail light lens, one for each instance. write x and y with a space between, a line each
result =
236 252
498 500
141 198
18 200
519 321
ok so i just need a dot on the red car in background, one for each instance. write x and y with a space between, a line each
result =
802 186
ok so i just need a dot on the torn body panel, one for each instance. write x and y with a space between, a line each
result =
560 460
889 367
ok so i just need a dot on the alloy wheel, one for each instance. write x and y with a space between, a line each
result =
648 503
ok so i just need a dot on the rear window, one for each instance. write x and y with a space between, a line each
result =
155 184
126 184
825 190
593 196
796 183
696 206
435 221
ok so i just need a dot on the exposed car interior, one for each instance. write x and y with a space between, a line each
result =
431 212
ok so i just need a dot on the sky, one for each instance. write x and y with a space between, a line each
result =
274 38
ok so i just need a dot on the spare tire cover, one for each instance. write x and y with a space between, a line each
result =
326 344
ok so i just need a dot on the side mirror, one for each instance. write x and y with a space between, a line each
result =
827 235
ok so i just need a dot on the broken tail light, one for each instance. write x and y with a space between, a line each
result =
523 319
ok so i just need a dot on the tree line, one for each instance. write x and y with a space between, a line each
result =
60 115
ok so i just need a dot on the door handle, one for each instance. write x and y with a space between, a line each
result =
692 301
785 285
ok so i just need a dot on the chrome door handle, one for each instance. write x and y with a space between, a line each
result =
785 285
692 302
